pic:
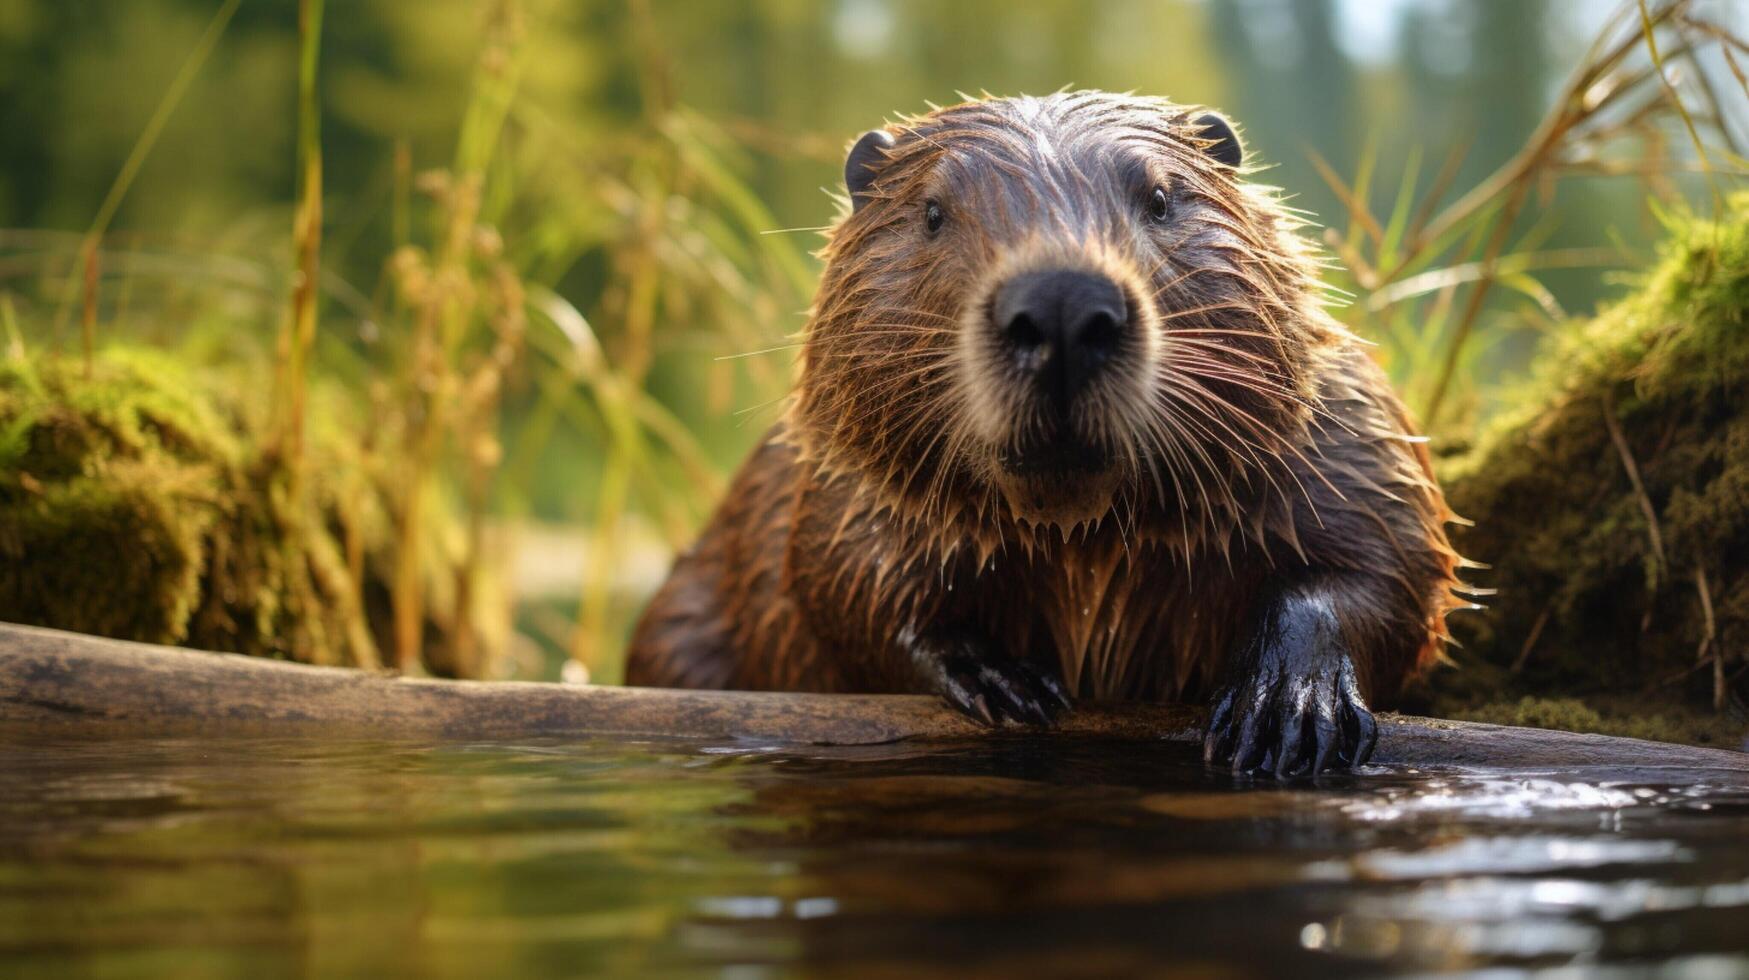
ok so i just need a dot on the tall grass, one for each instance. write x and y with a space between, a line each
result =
1426 274
88 255
481 319
298 336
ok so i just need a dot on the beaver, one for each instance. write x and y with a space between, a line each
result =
1072 421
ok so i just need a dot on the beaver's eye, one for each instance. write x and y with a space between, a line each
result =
1159 205
933 216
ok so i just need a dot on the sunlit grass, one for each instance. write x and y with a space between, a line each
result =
1426 274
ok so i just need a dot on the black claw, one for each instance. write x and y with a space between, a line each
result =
1328 736
1054 688
978 707
998 690
1288 757
1220 729
1264 722
1223 713
1365 729
1014 703
1005 700
1369 735
1253 740
1043 714
1047 697
970 703
1298 721
1048 710
1218 747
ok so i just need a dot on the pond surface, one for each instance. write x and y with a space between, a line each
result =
269 858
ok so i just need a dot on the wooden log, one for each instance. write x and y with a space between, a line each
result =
56 683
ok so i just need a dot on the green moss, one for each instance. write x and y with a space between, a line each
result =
136 502
1665 371
1605 716
109 488
132 538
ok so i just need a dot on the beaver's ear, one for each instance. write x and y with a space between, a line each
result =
865 160
1225 148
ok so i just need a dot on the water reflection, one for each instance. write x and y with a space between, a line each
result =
280 857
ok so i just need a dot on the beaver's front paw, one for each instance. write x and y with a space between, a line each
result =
1276 720
994 689
1295 706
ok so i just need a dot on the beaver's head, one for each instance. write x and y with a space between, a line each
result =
1067 307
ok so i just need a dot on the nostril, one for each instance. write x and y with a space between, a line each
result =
1099 335
1023 332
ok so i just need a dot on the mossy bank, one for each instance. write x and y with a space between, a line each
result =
1612 502
140 499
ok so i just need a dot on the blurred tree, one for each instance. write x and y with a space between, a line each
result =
1292 85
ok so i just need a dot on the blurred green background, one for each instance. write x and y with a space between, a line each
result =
794 80
657 181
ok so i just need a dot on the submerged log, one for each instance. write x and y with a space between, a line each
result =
55 684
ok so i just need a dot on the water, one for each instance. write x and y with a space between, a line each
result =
271 858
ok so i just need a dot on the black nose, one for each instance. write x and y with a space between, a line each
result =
1062 327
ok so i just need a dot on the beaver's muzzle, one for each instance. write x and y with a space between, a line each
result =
1061 328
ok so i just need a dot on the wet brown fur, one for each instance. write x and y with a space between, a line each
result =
1255 442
